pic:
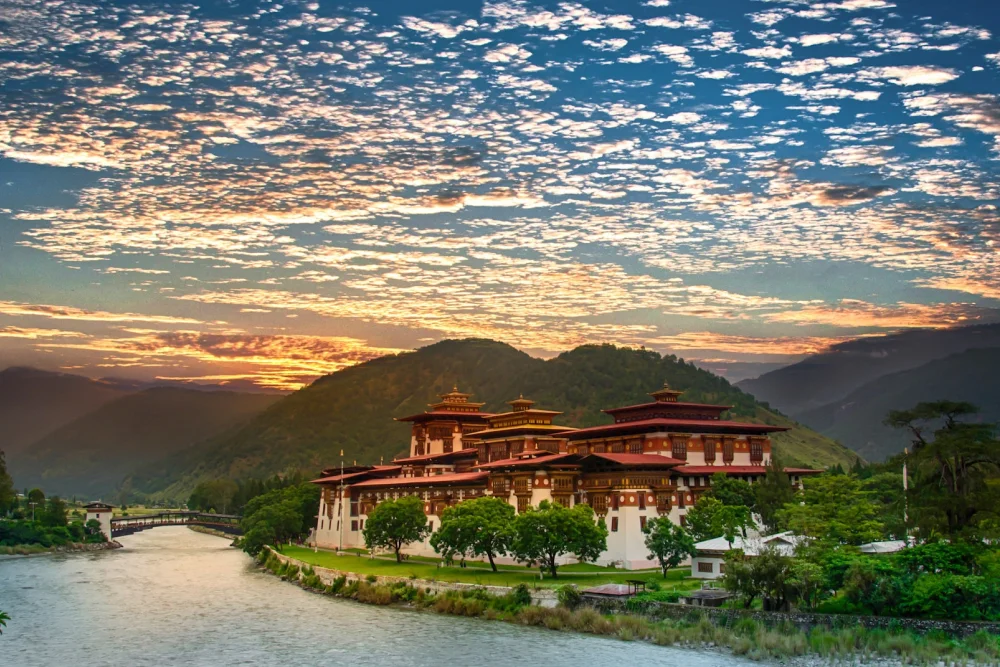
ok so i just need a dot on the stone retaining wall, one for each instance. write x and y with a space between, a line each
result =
804 621
542 596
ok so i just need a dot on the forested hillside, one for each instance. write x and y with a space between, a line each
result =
353 409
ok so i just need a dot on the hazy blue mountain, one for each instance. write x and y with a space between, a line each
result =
856 420
89 456
824 378
35 402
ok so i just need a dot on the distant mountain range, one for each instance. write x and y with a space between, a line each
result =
856 419
353 409
34 402
90 455
846 393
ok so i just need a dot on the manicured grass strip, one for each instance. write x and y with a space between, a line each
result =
418 569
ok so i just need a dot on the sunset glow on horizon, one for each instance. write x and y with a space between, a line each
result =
268 192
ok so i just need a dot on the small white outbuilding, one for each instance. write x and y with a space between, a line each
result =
710 561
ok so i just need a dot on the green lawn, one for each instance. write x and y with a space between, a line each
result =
584 575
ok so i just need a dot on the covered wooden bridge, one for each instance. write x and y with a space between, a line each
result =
127 525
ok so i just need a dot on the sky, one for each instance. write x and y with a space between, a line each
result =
269 191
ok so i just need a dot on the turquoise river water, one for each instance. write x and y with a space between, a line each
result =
176 597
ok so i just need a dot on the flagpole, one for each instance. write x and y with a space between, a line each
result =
341 503
906 452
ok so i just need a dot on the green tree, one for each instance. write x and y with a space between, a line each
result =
481 527
395 523
835 509
710 518
93 531
279 516
214 495
35 499
668 543
3 621
952 465
772 494
8 496
56 513
542 535
732 491
767 575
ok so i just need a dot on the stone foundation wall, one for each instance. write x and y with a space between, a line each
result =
804 621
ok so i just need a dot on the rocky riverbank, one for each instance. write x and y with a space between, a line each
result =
39 550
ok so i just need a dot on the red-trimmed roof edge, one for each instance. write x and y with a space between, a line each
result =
686 423
427 480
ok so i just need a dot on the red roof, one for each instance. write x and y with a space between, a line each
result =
678 404
352 475
668 424
428 480
739 470
526 461
640 460
428 458
420 416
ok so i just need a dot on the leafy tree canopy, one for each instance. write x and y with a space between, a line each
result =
542 535
835 509
668 543
480 527
395 523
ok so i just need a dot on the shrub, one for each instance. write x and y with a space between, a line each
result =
338 584
521 595
569 596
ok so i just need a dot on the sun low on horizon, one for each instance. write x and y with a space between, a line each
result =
267 192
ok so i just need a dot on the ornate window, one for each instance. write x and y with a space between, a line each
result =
705 567
635 446
728 450
756 450
614 524
522 504
678 448
710 450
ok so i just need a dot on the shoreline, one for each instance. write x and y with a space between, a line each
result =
31 550
695 630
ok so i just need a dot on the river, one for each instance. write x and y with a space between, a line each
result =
176 597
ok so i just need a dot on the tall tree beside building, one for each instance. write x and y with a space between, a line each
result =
953 463
772 493
543 535
834 509
668 543
479 527
710 518
8 496
395 523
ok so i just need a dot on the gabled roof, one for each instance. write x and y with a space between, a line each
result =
526 461
663 424
753 544
372 471
427 480
634 460
674 405
740 470
446 414
431 458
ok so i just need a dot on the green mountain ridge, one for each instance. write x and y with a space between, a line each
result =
353 409
90 455
856 420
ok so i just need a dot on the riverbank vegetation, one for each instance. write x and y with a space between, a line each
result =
743 636
947 524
